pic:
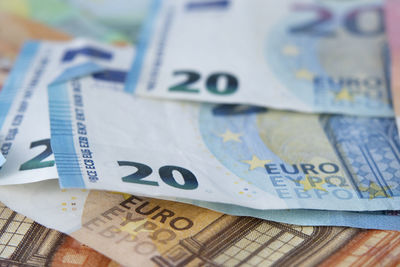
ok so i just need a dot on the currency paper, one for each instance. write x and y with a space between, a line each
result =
2 160
138 231
62 209
24 119
246 156
310 56
378 220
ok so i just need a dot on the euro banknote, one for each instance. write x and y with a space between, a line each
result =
113 81
393 32
306 55
240 155
14 30
24 123
138 231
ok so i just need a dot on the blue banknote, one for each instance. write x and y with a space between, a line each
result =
302 55
233 154
387 220
24 124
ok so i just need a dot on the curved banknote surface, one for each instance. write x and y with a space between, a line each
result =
112 80
308 56
24 124
13 31
239 155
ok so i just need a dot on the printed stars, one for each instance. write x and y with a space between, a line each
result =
308 184
375 190
255 162
290 50
344 94
229 136
304 74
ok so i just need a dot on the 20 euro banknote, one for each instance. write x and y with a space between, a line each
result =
241 155
53 203
24 119
306 55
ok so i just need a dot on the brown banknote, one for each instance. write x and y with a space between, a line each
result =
138 231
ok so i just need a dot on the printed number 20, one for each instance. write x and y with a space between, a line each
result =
351 21
37 162
165 172
186 86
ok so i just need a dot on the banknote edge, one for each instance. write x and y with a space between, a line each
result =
144 38
14 82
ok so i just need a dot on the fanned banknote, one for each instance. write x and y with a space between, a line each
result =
311 56
14 30
392 12
137 231
247 156
24 124
314 217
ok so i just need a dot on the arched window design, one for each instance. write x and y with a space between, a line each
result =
246 241
23 241
369 151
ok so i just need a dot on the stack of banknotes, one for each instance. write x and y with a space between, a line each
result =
233 133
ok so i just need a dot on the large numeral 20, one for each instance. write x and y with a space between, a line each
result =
231 83
36 162
351 21
165 172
